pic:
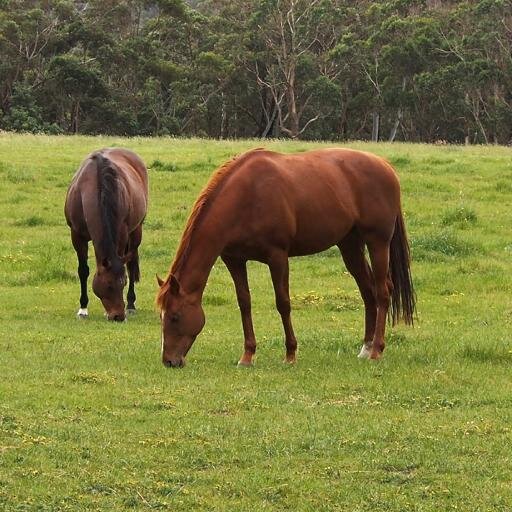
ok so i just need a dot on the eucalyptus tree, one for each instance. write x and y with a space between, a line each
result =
292 48
318 69
31 33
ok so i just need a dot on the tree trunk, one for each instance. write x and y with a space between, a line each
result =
223 118
399 116
375 129
270 124
292 107
75 114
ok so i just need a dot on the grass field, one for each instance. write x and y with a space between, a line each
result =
91 420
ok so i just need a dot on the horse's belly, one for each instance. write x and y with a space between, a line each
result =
315 235
307 246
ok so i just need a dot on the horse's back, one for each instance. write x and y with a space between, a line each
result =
363 185
310 201
346 170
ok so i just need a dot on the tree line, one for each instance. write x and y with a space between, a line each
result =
412 70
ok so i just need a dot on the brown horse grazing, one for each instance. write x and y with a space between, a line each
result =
267 206
106 203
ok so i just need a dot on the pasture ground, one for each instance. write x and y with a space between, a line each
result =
91 420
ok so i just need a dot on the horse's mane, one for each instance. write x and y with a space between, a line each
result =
109 209
200 206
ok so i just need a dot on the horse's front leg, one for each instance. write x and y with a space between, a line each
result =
278 264
81 247
238 270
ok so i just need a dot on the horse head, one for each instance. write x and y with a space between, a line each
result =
108 284
182 319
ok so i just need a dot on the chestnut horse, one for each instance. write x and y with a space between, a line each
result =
267 206
106 203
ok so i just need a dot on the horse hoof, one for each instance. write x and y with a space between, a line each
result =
245 364
365 352
375 356
82 313
130 311
290 360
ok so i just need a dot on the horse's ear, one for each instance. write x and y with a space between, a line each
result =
159 281
106 263
175 285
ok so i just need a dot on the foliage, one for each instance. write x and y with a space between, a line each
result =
395 70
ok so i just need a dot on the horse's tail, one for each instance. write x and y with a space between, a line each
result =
108 204
403 298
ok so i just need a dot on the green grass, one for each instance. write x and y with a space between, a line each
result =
91 420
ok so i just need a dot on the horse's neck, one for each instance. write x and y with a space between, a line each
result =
198 262
206 243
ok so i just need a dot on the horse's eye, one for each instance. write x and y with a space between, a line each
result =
175 317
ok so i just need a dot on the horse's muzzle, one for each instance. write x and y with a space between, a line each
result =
119 317
174 363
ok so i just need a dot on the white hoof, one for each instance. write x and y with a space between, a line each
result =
131 312
365 352
82 313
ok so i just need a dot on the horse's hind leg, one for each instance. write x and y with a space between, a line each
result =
132 265
378 248
352 251
279 272
81 247
238 270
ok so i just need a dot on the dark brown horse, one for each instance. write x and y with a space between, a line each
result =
106 203
267 206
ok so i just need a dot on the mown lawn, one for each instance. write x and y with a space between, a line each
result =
91 420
